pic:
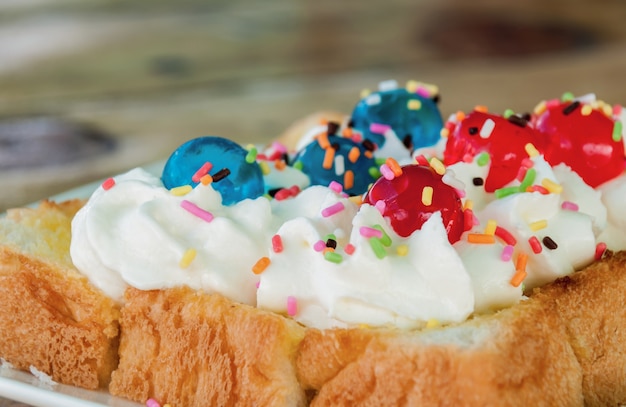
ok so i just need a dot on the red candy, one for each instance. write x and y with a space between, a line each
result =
406 206
504 139
582 141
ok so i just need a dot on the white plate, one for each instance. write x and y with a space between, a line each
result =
26 388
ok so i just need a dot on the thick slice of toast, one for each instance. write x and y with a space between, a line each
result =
187 348
51 317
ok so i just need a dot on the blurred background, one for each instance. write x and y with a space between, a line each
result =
90 88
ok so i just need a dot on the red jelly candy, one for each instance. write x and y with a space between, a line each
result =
408 205
504 139
583 139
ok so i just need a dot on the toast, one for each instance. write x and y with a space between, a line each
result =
51 317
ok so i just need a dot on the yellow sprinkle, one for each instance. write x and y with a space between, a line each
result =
364 326
538 225
445 133
427 195
469 204
182 190
365 93
540 108
261 265
206 179
357 199
480 238
607 109
531 150
411 86
414 104
187 258
551 186
402 250
490 229
437 165
432 323
586 110
431 88
265 168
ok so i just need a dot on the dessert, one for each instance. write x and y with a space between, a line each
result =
335 292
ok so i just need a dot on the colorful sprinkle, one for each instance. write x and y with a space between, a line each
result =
531 150
187 258
385 239
265 168
529 178
252 153
354 154
221 174
277 244
340 165
538 225
480 238
394 166
349 249
387 172
600 249
506 191
206 180
333 209
487 128
333 257
505 235
507 253
292 306
348 179
402 250
437 165
414 104
329 157
182 190
319 246
379 128
617 131
427 195
483 159
152 403
378 248
569 206
551 186
261 265
108 184
520 270
196 210
549 243
535 245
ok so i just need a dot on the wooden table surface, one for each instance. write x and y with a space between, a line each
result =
155 74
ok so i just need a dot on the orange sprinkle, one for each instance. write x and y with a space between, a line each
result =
354 154
540 108
206 179
280 165
427 195
356 199
329 157
469 204
520 262
348 179
518 277
322 140
368 154
445 133
261 265
347 132
394 166
460 116
480 238
323 121
481 108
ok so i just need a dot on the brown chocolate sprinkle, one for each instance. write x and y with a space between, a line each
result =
517 120
351 123
369 145
332 243
221 174
571 107
473 131
549 243
335 146
332 128
478 181
408 142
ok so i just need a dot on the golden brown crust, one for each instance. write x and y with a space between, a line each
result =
191 349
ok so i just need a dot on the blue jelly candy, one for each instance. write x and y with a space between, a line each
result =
413 116
233 176
340 159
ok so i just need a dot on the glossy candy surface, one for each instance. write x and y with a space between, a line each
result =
583 140
244 180
408 207
504 139
414 118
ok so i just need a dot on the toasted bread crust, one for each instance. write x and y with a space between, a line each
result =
187 348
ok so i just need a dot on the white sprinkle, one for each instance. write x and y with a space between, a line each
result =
487 128
373 99
340 166
390 84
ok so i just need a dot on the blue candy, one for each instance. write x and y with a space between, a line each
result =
413 117
245 180
311 159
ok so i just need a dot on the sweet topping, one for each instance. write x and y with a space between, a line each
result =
502 142
410 113
234 176
410 199
583 137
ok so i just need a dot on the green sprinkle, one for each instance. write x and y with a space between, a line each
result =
374 172
379 161
329 236
508 113
333 257
502 192
528 180
483 159
617 131
251 156
377 247
298 165
385 239
567 97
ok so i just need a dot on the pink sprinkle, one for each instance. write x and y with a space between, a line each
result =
257 284
475 220
528 163
600 249
357 137
423 92
319 245
368 232
460 192
553 103
617 110
507 253
280 147
294 190
108 184
386 172
569 206
152 403
381 206
196 210
379 128
422 160
521 173
349 249
468 158
292 306
333 209
277 244
335 186
202 171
